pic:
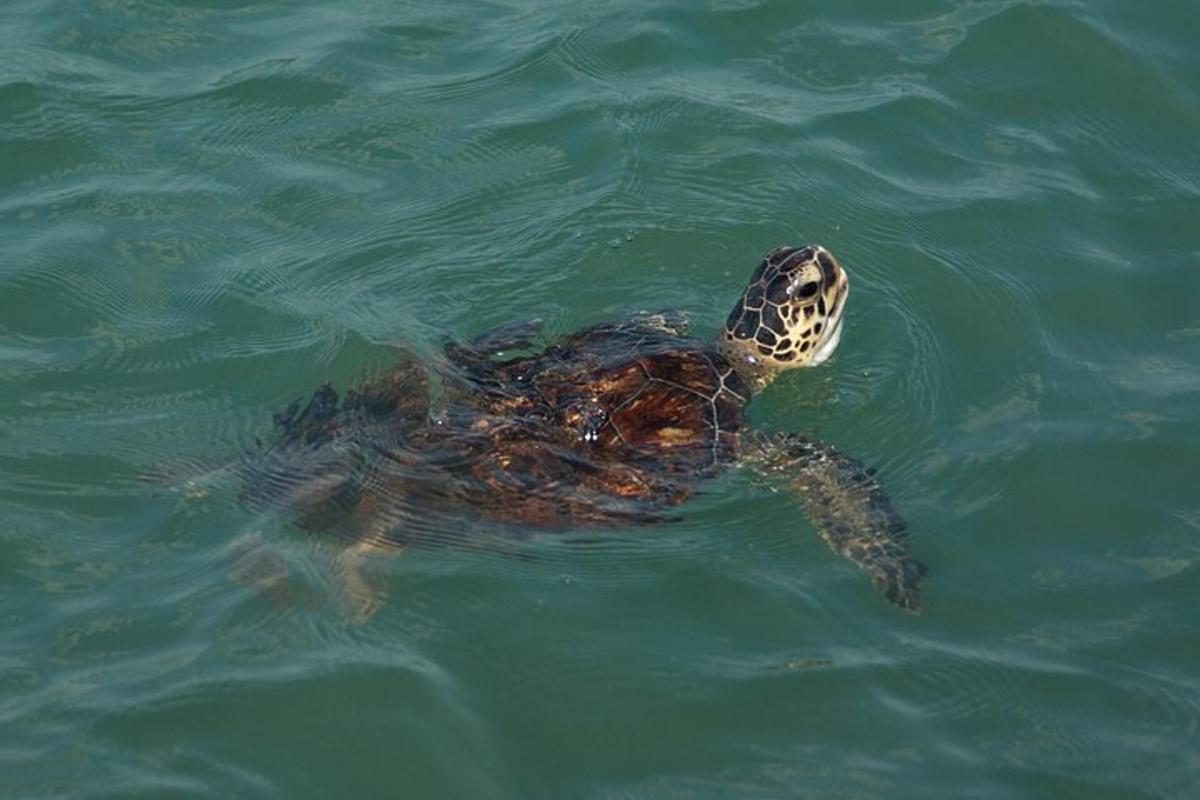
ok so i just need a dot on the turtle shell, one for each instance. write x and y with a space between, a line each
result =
609 427
659 402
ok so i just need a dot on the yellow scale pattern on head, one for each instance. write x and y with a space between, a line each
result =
782 313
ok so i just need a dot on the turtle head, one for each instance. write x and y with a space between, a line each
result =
789 316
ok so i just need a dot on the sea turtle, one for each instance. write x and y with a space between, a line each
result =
608 427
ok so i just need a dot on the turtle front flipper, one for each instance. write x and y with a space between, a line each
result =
671 321
849 509
494 342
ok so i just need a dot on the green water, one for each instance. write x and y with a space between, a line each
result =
208 207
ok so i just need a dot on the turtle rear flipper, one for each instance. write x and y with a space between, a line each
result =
364 589
255 565
850 510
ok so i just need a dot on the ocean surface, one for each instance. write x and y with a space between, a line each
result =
209 208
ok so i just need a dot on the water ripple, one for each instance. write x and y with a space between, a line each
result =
209 209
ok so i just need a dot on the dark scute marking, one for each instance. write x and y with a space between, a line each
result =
808 311
788 356
803 347
758 271
729 411
770 319
821 306
735 384
800 258
807 290
754 296
777 292
680 368
827 268
748 325
779 254
727 443
817 328
766 351
734 316
784 344
804 333
765 336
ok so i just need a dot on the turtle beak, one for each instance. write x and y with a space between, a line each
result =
836 303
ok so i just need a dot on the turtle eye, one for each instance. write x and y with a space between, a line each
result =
807 290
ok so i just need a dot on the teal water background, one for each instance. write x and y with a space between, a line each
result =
208 208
